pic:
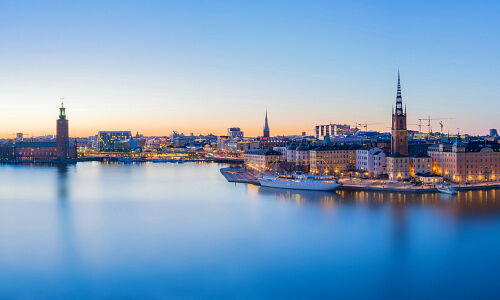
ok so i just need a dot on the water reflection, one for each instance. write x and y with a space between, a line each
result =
69 258
464 204
300 197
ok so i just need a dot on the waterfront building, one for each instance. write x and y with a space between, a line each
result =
474 161
62 135
371 160
420 165
261 159
47 150
234 132
398 162
429 179
291 153
330 159
106 139
303 156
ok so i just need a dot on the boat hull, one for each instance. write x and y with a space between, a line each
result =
311 185
446 191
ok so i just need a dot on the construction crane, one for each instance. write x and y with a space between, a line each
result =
429 127
365 125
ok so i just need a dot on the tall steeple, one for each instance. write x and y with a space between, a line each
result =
399 98
266 127
399 133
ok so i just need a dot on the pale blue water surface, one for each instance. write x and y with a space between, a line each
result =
181 231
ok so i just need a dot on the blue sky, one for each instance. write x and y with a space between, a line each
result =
203 66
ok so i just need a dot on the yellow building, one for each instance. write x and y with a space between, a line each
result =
261 159
476 161
398 167
333 160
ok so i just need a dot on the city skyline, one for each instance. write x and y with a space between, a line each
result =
203 68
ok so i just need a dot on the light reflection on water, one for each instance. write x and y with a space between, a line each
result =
159 230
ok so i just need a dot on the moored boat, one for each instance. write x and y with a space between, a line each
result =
447 189
300 182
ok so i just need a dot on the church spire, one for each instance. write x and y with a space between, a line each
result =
399 98
266 127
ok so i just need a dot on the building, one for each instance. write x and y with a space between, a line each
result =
291 153
48 150
336 160
266 128
474 161
320 131
62 135
106 139
429 179
398 162
420 165
303 156
234 132
261 159
371 160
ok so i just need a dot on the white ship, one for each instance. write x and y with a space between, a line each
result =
300 182
447 189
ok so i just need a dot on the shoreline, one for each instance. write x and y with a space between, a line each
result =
240 175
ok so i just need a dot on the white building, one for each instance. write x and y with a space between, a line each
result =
291 153
371 160
234 132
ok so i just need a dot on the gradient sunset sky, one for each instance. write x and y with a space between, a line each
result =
203 66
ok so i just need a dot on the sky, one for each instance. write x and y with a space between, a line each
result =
204 66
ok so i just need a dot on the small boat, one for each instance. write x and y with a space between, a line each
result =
125 160
447 189
176 160
298 181
159 160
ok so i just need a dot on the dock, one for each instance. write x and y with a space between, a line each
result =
243 175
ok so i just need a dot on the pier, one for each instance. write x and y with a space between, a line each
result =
243 175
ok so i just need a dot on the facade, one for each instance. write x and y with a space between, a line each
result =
320 131
48 150
476 161
266 133
261 159
62 135
429 178
303 156
106 139
333 160
371 161
36 151
398 165
291 153
419 165
234 132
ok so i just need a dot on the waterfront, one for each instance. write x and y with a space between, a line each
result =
158 230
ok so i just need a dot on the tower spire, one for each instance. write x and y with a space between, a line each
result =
266 127
399 98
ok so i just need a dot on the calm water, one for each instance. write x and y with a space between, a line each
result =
165 230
